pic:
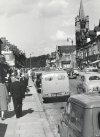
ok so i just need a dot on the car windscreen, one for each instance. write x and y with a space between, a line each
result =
91 70
95 70
94 78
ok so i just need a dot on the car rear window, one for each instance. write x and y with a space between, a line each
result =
95 70
61 77
49 78
94 78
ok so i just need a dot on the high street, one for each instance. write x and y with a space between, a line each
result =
33 123
54 111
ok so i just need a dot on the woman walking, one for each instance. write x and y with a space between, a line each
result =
3 99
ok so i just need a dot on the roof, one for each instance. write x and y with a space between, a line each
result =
86 100
92 33
54 71
88 74
66 49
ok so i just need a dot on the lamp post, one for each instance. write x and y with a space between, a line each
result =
30 60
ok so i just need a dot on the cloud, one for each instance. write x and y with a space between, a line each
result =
15 7
60 38
52 8
60 35
45 8
67 23
28 2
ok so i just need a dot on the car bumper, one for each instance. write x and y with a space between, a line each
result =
63 98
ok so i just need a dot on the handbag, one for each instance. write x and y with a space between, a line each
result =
9 98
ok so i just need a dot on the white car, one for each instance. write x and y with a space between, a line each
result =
89 82
55 85
76 71
90 69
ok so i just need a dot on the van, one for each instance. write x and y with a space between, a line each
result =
55 85
81 117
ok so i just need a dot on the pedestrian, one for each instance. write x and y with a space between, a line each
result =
26 77
23 82
3 99
12 77
17 96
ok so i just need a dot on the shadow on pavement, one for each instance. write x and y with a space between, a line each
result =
3 128
9 114
25 112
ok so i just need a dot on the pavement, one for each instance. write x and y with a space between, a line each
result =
33 123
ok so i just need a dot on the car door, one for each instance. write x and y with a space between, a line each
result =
75 125
65 121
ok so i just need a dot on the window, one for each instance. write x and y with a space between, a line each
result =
61 77
94 78
49 78
95 70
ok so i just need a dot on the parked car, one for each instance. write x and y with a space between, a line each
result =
90 69
76 71
55 85
71 74
89 82
81 117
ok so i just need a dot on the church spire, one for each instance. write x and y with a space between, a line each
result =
81 11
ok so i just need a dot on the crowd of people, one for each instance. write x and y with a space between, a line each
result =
14 86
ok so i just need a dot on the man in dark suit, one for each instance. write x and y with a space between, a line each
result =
17 96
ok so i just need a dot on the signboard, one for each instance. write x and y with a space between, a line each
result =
9 57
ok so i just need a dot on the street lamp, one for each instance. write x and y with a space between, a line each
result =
31 60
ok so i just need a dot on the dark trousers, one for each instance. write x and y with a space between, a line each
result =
18 107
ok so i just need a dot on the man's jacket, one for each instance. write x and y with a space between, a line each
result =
16 90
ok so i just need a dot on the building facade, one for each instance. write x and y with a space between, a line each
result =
14 57
87 41
81 27
66 56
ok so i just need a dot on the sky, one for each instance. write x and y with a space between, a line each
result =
37 26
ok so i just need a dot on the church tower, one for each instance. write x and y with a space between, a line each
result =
81 27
